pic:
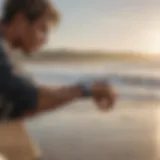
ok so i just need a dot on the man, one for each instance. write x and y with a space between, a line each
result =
25 25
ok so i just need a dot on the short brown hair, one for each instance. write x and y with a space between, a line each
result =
32 9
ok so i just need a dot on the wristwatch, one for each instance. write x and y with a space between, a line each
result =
86 89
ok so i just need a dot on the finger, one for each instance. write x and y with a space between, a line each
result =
110 101
103 104
111 97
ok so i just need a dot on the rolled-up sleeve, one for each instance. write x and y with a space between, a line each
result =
20 92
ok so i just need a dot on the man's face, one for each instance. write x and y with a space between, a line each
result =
33 35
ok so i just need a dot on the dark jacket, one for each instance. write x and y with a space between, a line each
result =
17 94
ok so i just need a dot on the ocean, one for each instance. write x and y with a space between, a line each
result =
133 80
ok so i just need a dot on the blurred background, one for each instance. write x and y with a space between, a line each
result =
118 41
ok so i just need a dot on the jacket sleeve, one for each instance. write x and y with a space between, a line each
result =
20 92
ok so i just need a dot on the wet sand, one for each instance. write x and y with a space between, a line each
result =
80 132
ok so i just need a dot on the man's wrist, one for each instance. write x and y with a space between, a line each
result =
86 89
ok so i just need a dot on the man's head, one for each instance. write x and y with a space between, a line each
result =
28 22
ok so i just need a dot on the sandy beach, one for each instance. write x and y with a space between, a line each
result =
80 132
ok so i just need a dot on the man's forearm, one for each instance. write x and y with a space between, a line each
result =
52 98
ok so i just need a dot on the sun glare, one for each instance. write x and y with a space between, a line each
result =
153 39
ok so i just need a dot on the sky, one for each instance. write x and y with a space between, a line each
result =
122 25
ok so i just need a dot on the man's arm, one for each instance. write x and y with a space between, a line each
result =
50 98
28 99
